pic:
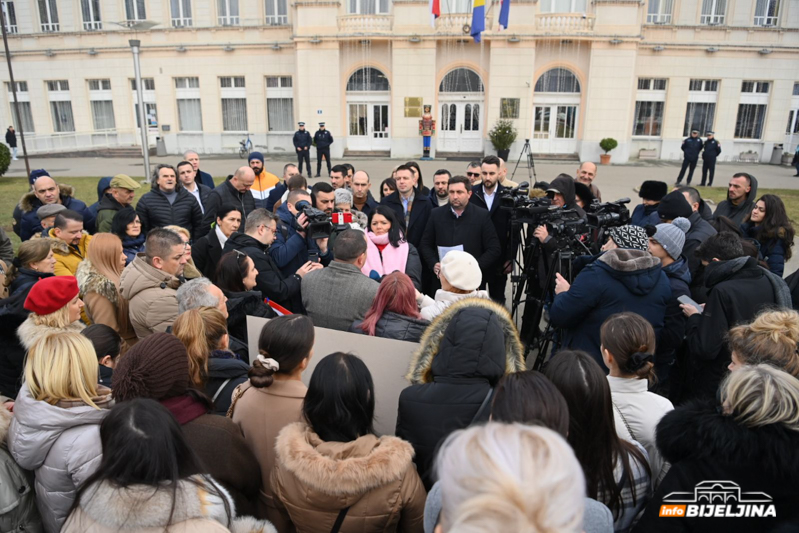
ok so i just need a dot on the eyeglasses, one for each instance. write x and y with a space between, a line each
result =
473 174
273 230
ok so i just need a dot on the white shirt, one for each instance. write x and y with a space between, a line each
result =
489 198
220 236
196 194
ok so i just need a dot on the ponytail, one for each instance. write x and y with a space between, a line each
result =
200 330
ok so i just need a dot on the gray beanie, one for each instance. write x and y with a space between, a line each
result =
672 236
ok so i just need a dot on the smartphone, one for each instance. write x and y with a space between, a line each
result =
313 257
688 301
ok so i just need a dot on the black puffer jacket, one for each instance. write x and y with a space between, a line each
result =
700 231
12 356
463 354
155 211
25 278
703 445
241 304
395 326
225 194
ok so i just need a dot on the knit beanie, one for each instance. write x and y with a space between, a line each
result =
630 237
653 190
48 295
672 236
157 368
674 205
461 270
36 174
256 155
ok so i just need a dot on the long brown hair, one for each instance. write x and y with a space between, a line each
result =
31 251
104 252
630 338
286 339
200 330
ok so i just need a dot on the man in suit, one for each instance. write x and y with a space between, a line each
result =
340 294
411 206
486 195
302 143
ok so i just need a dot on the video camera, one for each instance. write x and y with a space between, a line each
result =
609 214
319 225
525 209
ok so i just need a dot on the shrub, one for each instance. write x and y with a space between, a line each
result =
608 144
503 134
5 158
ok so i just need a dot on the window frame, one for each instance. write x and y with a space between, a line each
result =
180 19
663 14
381 7
277 18
510 108
96 22
134 9
227 19
713 16
51 8
765 20
741 129
10 14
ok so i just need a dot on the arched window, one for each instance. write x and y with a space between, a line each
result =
368 79
461 80
557 80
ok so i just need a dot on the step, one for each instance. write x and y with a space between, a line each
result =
117 152
369 154
553 157
460 156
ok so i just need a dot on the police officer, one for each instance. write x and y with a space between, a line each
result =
302 142
691 148
322 139
709 155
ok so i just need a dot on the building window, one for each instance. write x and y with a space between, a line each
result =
134 10
461 80
48 14
181 13
659 11
23 105
651 84
648 119
102 105
149 84
60 106
10 17
760 87
368 7
713 12
749 123
509 107
703 85
279 103
190 116
796 89
456 6
236 82
793 122
557 80
562 6
276 13
234 103
227 12
699 116
368 79
91 15
767 12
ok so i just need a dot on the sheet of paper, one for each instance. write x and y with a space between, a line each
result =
444 250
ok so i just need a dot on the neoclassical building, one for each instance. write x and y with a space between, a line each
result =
566 72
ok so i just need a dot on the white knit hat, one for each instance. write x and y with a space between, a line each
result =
461 270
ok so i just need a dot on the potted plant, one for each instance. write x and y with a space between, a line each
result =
502 137
607 144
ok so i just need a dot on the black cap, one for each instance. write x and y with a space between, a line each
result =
674 205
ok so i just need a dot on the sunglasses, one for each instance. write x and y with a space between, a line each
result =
473 174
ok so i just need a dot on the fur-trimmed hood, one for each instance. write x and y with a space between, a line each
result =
475 337
29 202
344 470
89 280
28 333
62 248
638 270
139 507
698 431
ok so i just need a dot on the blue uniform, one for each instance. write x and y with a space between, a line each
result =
691 148
302 143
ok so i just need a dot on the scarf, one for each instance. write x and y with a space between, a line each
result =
185 408
391 259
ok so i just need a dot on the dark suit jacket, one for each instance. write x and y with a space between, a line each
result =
206 253
420 213
499 217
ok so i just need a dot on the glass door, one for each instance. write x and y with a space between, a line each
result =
368 127
460 127
554 129
380 128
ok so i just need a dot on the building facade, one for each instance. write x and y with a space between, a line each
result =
568 73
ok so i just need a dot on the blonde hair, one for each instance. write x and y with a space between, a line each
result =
62 366
31 251
180 231
762 395
56 319
510 477
772 338
200 330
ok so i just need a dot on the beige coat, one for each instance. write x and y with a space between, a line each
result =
151 295
103 302
314 480
261 414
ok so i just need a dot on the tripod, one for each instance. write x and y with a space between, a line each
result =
530 163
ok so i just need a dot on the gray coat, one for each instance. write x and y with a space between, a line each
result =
61 445
18 510
337 295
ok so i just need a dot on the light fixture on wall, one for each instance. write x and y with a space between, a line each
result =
228 48
514 39
49 52
276 47
315 40
92 52
616 41
659 48
764 51
712 50
181 49
415 39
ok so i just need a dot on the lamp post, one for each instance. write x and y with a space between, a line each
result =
14 93
135 45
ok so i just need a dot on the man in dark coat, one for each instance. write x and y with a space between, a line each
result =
461 224
201 177
738 290
234 191
11 141
411 206
700 231
487 195
44 190
259 233
711 151
302 144
646 213
362 198
168 203
691 147
188 181
619 280
741 198
291 247
322 139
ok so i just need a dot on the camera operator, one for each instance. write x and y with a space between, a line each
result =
292 247
562 193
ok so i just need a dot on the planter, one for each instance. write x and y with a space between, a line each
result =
503 154
604 159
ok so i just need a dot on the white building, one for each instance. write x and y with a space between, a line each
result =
567 72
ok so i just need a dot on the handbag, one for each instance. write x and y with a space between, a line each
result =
339 520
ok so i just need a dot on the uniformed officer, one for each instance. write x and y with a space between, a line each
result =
302 142
709 155
322 139
691 148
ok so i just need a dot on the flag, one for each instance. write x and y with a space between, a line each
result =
478 19
504 11
435 11
277 308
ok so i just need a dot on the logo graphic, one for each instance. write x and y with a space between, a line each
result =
717 499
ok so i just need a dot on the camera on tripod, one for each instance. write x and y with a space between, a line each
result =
523 208
319 225
609 214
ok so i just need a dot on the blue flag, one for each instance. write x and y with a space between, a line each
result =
504 11
478 19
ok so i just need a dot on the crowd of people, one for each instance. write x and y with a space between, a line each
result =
132 402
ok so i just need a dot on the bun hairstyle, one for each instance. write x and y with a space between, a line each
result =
629 337
287 341
771 338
